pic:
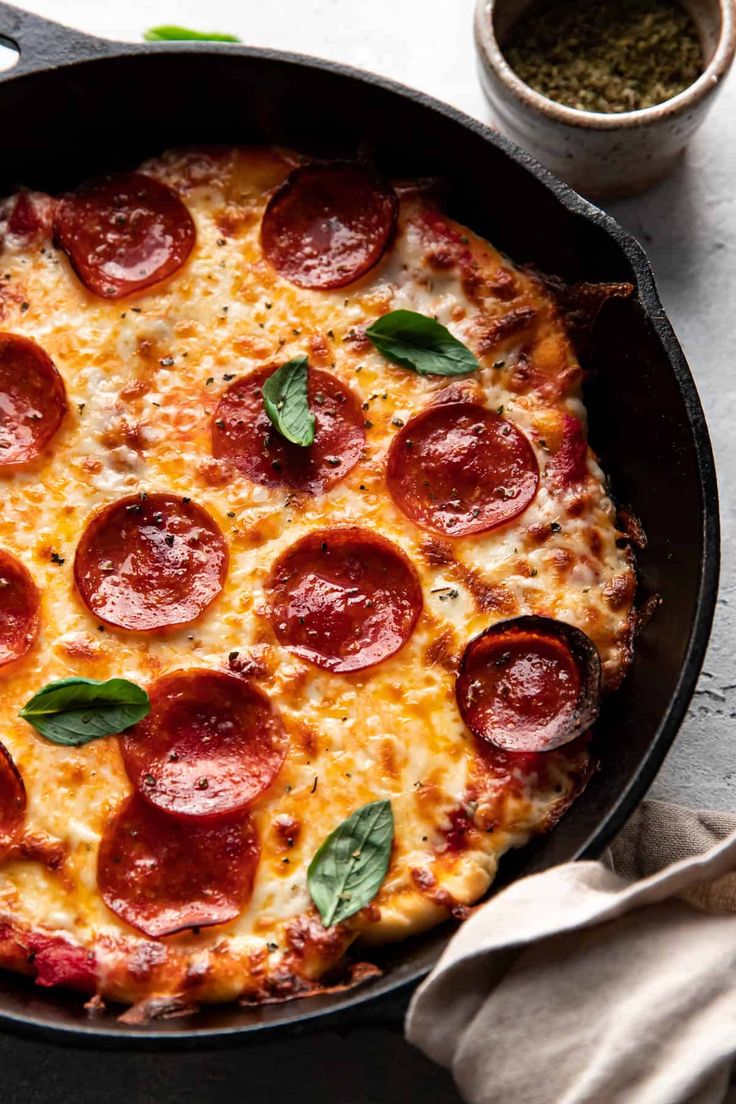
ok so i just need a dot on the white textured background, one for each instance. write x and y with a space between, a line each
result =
688 226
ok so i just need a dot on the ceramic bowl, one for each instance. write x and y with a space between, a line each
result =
602 155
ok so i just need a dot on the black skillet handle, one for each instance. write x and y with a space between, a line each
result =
43 44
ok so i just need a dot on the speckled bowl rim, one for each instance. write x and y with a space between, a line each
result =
684 101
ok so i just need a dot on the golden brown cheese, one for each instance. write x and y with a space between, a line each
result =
143 377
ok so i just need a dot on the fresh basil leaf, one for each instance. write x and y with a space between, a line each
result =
419 342
73 711
184 34
286 403
348 870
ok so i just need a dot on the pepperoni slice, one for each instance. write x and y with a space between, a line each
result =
345 599
149 562
209 747
328 224
19 609
456 468
124 233
529 685
162 876
242 433
12 797
32 400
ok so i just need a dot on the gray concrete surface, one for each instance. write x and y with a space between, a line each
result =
688 226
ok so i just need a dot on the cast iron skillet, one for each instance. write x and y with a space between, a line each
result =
75 106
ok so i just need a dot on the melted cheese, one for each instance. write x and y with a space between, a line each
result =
143 378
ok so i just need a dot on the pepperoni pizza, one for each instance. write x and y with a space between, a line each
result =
310 584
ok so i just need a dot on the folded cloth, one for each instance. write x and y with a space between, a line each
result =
609 982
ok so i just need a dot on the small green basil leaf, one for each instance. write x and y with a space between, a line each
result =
184 34
421 343
348 870
286 403
73 711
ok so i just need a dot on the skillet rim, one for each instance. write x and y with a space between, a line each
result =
51 51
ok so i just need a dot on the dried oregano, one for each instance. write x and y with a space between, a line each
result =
606 55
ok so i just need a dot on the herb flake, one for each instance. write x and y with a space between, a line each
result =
172 33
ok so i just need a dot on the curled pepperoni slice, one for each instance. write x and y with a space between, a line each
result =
149 562
162 876
243 434
12 798
123 233
209 747
345 599
457 468
32 400
19 609
529 685
328 224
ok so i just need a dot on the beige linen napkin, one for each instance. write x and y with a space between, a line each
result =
607 982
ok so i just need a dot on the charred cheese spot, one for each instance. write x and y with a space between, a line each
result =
619 591
443 650
560 561
491 334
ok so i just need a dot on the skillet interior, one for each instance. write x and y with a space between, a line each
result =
75 107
